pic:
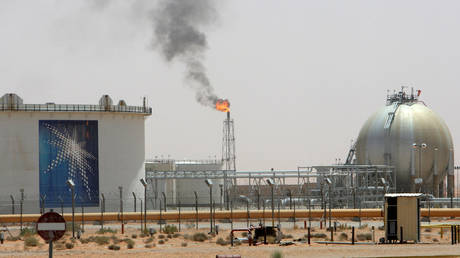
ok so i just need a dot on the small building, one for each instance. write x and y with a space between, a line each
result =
402 216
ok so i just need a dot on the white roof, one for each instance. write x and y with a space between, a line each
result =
403 195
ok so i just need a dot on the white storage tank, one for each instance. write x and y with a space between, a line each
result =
414 139
99 147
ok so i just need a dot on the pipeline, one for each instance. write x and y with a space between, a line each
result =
237 214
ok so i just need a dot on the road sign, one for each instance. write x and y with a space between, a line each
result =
51 226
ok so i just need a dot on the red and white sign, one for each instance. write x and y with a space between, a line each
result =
51 226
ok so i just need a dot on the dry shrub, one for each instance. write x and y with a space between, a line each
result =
317 235
343 236
221 241
170 229
30 241
184 244
114 247
149 240
364 236
199 237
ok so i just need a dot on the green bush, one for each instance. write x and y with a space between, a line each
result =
127 240
69 245
277 254
30 241
149 240
161 241
221 241
170 229
13 238
84 240
169 236
28 232
114 247
317 235
101 240
161 236
176 235
134 236
199 237
106 230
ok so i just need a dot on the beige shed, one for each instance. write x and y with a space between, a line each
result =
402 215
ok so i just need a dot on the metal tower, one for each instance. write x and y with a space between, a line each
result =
228 144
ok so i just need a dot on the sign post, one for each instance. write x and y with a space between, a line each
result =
51 226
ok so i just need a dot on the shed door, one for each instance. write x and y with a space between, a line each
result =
392 218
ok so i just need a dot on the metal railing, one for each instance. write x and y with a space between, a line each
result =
75 108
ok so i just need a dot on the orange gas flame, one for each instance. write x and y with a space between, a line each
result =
223 105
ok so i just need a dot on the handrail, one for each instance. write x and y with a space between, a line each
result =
75 108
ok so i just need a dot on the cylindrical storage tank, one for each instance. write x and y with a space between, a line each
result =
44 145
411 137
185 188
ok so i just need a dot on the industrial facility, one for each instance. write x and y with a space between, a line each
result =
100 147
403 147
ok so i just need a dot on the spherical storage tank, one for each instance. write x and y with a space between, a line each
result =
411 137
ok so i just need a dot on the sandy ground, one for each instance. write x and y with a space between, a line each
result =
174 246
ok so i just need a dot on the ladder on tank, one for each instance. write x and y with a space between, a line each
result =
387 128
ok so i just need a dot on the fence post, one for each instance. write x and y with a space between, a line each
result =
231 214
196 208
179 216
135 201
309 235
21 206
161 218
121 210
142 230
352 235
12 204
401 235
102 210
82 216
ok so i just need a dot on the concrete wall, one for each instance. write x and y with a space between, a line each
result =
121 153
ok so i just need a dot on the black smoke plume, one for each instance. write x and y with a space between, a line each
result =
179 35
